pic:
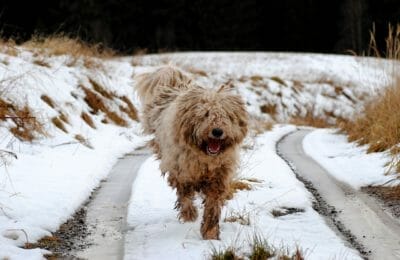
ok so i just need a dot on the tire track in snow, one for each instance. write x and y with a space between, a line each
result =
354 215
107 211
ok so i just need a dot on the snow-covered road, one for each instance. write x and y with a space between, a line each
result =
107 211
358 217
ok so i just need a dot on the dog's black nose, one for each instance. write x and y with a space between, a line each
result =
217 132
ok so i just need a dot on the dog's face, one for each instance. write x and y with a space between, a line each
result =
211 121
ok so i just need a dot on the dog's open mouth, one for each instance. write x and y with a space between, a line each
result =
214 146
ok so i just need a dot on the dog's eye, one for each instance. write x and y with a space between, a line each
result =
241 123
207 114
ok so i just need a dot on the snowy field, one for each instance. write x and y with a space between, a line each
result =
53 175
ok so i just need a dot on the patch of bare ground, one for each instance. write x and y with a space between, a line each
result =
69 237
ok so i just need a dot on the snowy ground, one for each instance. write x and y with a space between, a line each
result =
349 162
156 232
55 174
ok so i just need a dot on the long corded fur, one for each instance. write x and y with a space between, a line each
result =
182 117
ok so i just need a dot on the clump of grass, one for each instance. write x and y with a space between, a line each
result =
63 117
224 254
378 126
243 218
27 127
93 64
235 186
256 78
62 44
45 242
130 110
100 89
47 100
41 62
310 120
9 47
83 140
59 124
96 103
88 119
270 109
278 80
260 249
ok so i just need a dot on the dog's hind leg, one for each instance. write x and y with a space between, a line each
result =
184 203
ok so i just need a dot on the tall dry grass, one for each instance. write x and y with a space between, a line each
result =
62 44
378 126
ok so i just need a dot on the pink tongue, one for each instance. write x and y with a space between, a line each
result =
214 146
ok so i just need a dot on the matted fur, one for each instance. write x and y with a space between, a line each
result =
187 121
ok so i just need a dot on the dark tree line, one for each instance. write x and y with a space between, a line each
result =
284 25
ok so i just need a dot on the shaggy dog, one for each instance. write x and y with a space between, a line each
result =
197 133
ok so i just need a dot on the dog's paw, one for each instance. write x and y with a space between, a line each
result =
188 214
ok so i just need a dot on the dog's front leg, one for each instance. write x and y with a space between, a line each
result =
184 203
212 213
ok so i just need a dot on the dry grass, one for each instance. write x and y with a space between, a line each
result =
378 126
83 140
130 110
9 47
61 44
63 117
269 109
278 80
47 100
310 120
243 218
45 242
259 126
27 127
96 103
196 71
226 254
237 185
59 124
88 120
256 78
259 250
93 64
101 90
41 62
